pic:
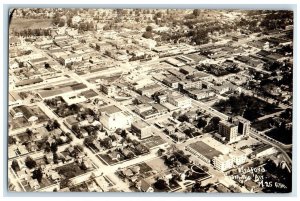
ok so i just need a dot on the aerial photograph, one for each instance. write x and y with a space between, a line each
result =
150 100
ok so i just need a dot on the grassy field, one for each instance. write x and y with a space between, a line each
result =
19 24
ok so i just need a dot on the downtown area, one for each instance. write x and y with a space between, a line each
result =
150 100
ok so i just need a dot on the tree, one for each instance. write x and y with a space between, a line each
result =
69 22
56 19
196 12
15 165
37 174
88 140
11 140
56 124
201 123
198 188
149 29
53 147
123 134
30 163
61 23
147 34
161 184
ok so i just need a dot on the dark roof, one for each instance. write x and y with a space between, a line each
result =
110 109
29 81
205 150
26 111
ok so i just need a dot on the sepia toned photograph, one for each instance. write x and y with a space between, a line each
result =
150 100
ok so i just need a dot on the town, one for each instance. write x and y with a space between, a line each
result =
150 100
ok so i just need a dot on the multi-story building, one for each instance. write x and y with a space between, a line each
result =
183 86
142 129
70 59
223 162
228 130
238 157
113 117
108 89
179 100
243 125
234 129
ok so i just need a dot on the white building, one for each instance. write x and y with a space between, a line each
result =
179 100
238 157
223 163
113 117
73 99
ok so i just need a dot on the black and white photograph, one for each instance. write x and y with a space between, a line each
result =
150 100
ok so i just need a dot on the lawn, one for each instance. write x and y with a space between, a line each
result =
79 188
19 24
283 135
249 107
89 94
70 170
197 174
19 122
153 141
263 124
106 159
157 164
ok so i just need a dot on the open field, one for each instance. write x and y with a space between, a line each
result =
19 24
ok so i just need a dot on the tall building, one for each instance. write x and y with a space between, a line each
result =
113 117
235 129
223 162
243 125
228 130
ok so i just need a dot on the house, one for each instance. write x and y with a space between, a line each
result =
114 155
127 172
34 184
252 186
14 41
144 186
55 176
26 111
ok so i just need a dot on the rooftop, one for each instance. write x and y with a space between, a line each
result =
205 149
112 109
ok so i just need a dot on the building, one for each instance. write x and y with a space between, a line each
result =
142 129
108 89
228 130
234 129
144 186
264 150
73 99
238 157
223 163
171 81
14 99
113 117
243 125
144 42
24 111
203 151
199 94
189 85
179 100
149 90
70 59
